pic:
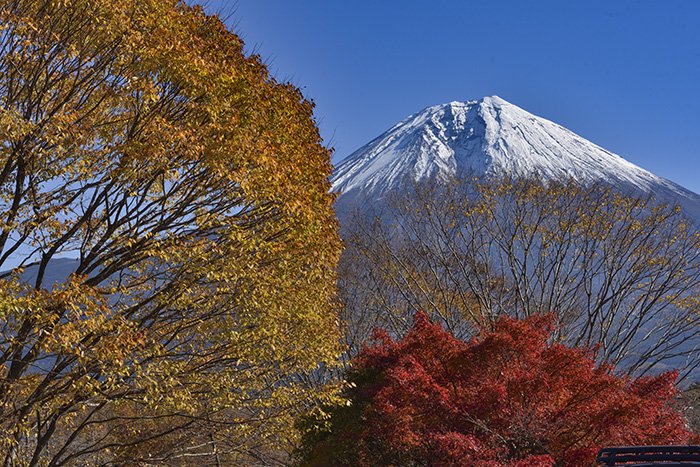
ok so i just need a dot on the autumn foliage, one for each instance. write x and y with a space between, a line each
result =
190 188
617 270
509 397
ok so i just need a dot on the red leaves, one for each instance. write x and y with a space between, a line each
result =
509 397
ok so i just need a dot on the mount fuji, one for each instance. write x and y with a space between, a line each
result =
484 138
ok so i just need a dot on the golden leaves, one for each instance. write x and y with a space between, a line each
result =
193 188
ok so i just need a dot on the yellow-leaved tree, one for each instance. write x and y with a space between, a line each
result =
137 137
619 272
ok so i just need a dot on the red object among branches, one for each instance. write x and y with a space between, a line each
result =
509 397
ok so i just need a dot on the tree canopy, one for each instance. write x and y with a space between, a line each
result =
617 270
137 137
509 397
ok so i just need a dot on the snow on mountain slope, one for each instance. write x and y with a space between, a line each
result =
485 138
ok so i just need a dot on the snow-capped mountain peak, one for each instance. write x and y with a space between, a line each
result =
490 137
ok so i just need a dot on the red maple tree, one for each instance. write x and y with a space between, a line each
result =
509 397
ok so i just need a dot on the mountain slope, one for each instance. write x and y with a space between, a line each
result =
485 138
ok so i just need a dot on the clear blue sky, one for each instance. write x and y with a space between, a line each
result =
624 74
